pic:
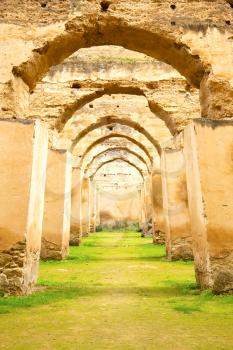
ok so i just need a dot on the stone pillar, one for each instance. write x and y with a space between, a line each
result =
57 208
157 203
97 206
141 218
175 205
76 204
209 166
23 160
143 211
85 206
148 225
92 199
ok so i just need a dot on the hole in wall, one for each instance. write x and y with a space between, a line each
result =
76 86
228 22
43 4
173 23
104 5
91 106
173 6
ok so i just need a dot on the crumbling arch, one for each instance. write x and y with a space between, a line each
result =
135 88
108 130
114 120
108 151
116 147
175 42
110 28
116 135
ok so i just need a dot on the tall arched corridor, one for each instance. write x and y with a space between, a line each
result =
116 183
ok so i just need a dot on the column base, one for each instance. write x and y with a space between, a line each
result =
75 236
92 228
18 270
159 237
53 251
85 230
147 228
219 278
181 249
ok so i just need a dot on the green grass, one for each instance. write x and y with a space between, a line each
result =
117 291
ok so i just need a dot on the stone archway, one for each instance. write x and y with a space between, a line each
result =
111 120
116 135
113 150
80 93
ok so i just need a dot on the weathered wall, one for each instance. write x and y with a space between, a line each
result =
119 210
208 151
85 193
92 205
197 34
23 164
56 222
175 205
157 207
118 195
90 73
76 204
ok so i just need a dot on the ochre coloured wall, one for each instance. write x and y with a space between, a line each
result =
56 222
85 193
23 166
208 152
175 205
76 211
119 210
157 202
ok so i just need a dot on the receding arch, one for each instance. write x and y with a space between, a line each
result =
115 120
135 88
117 149
109 129
115 159
116 135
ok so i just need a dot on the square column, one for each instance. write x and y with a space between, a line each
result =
23 161
175 206
85 206
158 214
76 204
148 225
141 218
209 166
97 208
92 205
57 209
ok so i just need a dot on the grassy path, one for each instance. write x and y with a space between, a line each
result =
117 292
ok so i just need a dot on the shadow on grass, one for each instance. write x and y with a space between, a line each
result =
172 294
87 258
